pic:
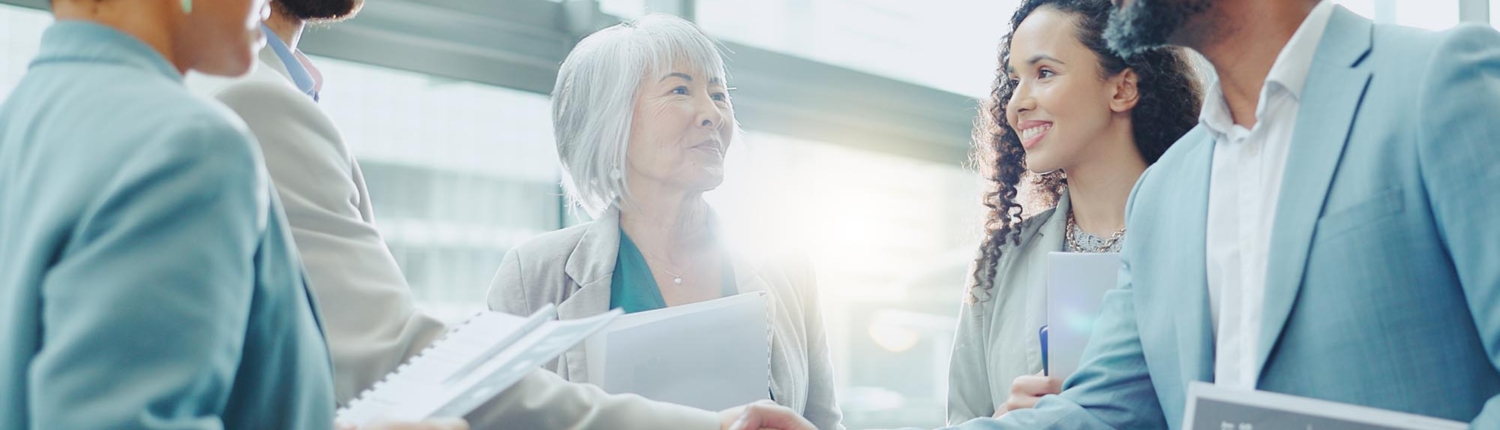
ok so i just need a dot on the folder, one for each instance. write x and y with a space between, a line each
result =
1211 407
470 365
709 355
1076 283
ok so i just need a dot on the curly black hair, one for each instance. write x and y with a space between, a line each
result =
1170 97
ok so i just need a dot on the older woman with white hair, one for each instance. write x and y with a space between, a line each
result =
643 119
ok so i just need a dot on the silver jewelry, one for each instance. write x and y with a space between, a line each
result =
676 277
1105 246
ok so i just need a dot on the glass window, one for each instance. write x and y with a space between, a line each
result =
891 239
1428 14
623 9
945 44
458 172
948 44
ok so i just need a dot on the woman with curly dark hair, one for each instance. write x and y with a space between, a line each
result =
1080 124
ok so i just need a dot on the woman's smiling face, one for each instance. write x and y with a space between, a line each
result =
1061 100
681 129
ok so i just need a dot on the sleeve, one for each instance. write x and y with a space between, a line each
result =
543 400
145 310
822 405
1112 387
969 394
1458 146
369 316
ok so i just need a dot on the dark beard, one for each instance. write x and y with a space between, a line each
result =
1144 25
319 10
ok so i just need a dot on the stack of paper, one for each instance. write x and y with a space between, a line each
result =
711 355
475 362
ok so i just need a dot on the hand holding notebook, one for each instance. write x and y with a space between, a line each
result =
472 364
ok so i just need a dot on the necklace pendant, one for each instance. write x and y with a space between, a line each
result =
677 280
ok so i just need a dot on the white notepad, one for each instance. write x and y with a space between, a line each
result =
710 355
1076 283
472 364
1211 407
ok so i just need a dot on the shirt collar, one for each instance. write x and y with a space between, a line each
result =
1288 73
85 41
303 74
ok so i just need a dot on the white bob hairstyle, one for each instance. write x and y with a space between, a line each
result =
593 103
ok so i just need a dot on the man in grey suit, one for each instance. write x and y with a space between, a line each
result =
369 319
1327 231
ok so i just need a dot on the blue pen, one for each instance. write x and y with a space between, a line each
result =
1043 334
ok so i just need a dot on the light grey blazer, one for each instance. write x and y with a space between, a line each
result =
572 268
996 340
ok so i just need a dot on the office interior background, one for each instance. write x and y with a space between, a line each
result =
857 116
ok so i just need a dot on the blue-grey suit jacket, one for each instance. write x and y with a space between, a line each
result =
147 280
1383 285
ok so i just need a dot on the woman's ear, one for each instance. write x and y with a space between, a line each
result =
1127 93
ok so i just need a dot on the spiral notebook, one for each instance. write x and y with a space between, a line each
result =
472 364
710 355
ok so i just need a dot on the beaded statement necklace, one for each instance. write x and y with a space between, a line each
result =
1097 244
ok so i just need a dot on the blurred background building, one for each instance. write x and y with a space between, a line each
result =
857 114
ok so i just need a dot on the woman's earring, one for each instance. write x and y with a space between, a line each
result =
187 6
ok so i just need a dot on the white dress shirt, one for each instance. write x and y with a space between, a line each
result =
1243 189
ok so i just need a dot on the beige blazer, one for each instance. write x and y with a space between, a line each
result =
572 268
348 266
996 340
368 316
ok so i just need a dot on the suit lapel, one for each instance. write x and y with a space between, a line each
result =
1194 328
1330 100
590 266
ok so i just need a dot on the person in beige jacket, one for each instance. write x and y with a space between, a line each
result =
643 119
368 315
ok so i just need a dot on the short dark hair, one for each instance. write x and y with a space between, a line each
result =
1170 98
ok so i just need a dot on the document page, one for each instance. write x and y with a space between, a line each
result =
710 355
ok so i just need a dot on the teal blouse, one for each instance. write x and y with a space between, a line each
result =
634 289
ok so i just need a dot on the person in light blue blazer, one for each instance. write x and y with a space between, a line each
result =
1327 231
147 280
